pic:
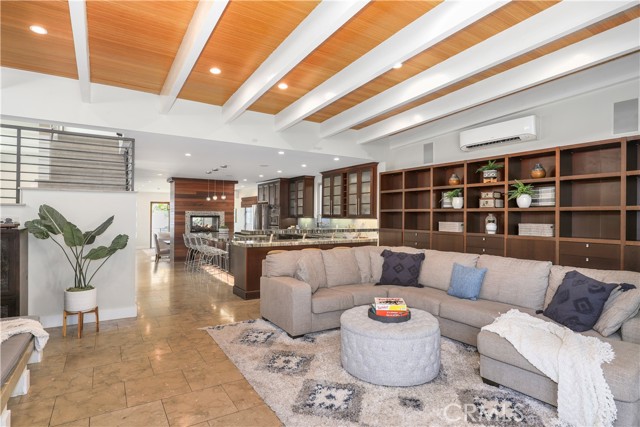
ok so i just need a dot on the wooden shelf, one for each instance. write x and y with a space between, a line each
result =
596 218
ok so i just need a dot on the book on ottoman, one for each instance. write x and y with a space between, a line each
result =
390 307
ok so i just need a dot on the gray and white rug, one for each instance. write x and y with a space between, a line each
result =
302 380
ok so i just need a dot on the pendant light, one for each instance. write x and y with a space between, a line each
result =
215 196
208 198
223 197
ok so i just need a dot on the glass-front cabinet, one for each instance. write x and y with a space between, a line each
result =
301 197
350 192
359 193
332 195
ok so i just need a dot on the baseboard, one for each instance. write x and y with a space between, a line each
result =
55 320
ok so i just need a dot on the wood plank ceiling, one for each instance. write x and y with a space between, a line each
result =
134 44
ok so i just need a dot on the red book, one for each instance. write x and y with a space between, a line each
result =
392 313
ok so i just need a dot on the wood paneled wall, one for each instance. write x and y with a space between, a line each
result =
190 195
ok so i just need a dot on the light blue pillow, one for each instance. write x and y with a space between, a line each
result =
466 281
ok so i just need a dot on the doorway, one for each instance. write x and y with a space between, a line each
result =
159 212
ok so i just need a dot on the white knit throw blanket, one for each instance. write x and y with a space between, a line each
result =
570 359
8 328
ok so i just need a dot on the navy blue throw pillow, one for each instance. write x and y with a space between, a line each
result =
401 269
579 301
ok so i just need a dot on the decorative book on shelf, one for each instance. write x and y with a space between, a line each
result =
544 196
456 227
538 230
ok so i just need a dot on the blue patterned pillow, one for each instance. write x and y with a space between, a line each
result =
579 301
466 281
400 268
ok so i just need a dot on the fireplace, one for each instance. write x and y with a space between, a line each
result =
203 221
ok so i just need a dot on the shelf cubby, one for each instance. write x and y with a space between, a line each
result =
633 154
417 221
476 221
390 201
417 199
391 181
590 224
474 177
633 190
472 198
530 216
417 178
633 226
591 159
446 215
441 174
520 165
590 192
391 220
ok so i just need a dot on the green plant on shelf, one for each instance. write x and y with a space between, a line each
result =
490 166
520 189
452 193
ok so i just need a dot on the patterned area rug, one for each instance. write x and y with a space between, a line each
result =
302 380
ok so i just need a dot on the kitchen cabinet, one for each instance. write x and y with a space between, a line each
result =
301 197
350 192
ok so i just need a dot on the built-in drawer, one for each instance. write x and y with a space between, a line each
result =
539 249
451 242
632 258
489 245
416 239
590 255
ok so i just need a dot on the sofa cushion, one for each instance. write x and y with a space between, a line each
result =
341 267
474 313
466 282
282 264
579 301
515 281
363 258
364 294
310 270
329 299
620 306
401 268
621 373
427 299
438 265
377 260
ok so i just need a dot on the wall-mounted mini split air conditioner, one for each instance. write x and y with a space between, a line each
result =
511 131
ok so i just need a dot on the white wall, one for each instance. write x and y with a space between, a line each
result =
50 274
583 118
143 218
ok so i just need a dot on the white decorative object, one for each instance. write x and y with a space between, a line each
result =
451 226
538 230
523 201
80 300
491 224
457 202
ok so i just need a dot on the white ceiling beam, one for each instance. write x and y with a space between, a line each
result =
322 22
544 27
596 78
605 46
434 26
203 22
78 14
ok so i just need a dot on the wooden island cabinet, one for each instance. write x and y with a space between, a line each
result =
589 197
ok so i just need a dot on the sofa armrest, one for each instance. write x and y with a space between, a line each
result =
286 302
630 330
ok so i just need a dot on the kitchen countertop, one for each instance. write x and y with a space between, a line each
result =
326 230
301 242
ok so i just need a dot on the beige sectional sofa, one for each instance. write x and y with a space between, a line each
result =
307 291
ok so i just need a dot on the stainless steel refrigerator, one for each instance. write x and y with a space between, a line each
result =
261 216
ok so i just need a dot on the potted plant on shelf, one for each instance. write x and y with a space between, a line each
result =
81 296
455 197
522 193
490 171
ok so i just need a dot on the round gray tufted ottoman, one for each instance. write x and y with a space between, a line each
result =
392 354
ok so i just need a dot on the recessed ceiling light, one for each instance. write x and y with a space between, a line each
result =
303 165
187 154
260 176
159 174
283 86
335 159
397 65
38 29
279 171
244 180
281 152
215 70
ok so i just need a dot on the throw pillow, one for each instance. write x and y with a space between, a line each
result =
579 301
341 267
622 305
400 268
466 282
282 264
311 270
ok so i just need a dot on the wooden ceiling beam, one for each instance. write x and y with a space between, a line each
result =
433 27
545 27
204 21
611 44
78 14
321 23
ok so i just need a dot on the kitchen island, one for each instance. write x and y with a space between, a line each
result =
246 258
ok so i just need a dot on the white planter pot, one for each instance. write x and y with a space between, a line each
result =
457 202
523 201
80 300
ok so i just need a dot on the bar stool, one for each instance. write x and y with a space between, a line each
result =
80 314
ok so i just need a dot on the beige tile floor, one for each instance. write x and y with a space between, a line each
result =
154 370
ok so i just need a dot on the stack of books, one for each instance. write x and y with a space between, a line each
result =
390 307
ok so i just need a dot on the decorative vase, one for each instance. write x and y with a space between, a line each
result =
538 171
80 300
457 202
491 224
454 179
523 201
